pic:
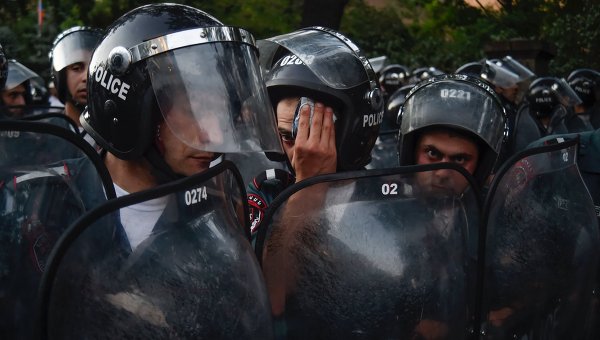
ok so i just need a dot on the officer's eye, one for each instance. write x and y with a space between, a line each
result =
286 137
433 153
77 67
460 159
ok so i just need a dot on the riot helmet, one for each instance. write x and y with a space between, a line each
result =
392 109
585 82
423 73
176 64
460 103
547 93
323 63
74 45
496 74
472 69
378 63
18 74
3 68
525 75
393 77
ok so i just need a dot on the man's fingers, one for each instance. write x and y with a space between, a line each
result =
303 124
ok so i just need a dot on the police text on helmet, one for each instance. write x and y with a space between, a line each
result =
114 84
372 119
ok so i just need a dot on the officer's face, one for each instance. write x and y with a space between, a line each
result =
14 97
181 157
445 146
77 81
285 115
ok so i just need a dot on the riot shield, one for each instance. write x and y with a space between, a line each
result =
53 115
373 254
385 152
541 248
252 164
41 193
194 276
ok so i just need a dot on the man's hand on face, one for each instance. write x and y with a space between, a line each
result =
315 152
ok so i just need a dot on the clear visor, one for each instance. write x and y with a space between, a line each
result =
74 48
521 70
566 95
213 98
18 73
328 57
500 76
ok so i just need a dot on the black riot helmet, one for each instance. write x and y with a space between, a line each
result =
545 94
472 69
74 45
585 82
323 63
177 64
424 73
393 77
458 102
3 68
392 109
19 74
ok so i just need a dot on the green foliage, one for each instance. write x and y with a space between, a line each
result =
377 32
577 38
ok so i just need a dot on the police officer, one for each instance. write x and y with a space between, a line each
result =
69 59
464 125
164 101
341 95
586 83
392 77
170 89
551 101
16 93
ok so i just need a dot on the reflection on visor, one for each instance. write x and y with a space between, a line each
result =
213 98
329 58
74 48
566 95
18 73
499 75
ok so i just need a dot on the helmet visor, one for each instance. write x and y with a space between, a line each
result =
212 97
76 47
499 76
566 95
521 70
329 58
17 74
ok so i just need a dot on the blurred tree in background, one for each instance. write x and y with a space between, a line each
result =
440 33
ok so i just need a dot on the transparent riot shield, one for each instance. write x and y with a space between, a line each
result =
53 115
373 254
541 250
193 276
385 152
49 177
251 164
